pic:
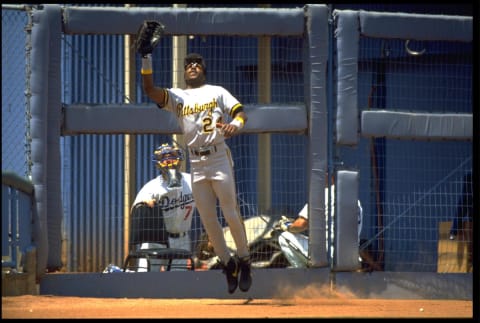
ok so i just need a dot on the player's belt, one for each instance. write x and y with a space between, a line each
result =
204 151
177 235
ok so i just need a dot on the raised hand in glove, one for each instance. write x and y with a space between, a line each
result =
148 37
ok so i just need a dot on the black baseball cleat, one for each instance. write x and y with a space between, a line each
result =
245 274
231 271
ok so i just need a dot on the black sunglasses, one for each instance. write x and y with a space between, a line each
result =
193 61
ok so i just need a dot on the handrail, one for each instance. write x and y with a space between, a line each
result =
17 182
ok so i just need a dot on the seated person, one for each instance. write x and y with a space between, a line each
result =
163 209
294 242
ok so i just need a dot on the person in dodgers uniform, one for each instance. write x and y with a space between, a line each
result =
200 110
171 191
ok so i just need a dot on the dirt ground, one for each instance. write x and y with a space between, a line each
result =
44 306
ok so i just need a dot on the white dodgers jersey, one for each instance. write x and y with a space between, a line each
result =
177 203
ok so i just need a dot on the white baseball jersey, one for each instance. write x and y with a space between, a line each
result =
295 245
177 206
176 203
304 212
198 110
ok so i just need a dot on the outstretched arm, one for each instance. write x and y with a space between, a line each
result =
156 94
299 225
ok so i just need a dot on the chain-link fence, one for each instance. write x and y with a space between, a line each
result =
15 112
88 214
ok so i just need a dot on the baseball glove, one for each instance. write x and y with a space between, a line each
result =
283 224
148 37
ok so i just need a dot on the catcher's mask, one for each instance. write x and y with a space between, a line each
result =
195 58
168 160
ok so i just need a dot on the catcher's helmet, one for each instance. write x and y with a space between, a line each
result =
167 157
195 58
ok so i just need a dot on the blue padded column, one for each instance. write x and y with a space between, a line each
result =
54 117
346 213
45 128
347 34
316 65
38 125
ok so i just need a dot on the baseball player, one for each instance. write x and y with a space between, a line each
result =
163 209
294 243
200 110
